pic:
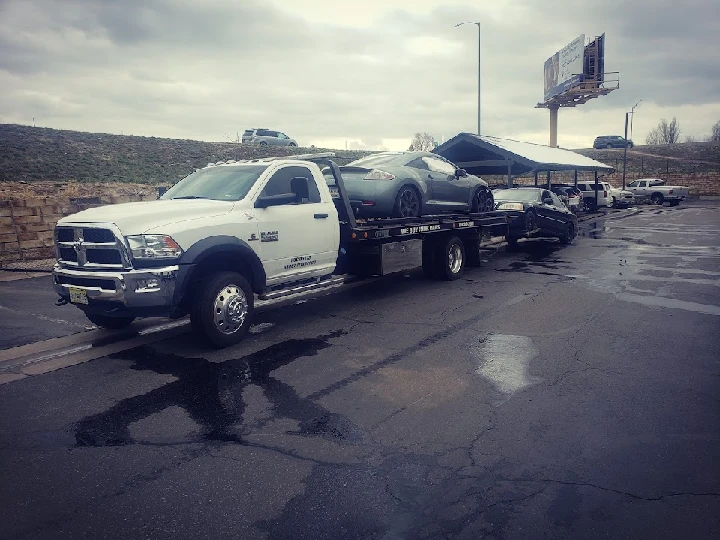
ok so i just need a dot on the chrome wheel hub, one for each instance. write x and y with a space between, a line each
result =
455 259
230 309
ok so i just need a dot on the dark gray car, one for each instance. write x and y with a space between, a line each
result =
410 184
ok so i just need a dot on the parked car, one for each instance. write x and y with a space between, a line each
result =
267 137
570 196
411 184
612 141
535 212
621 198
588 193
655 191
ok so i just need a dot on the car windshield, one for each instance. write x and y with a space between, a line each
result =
520 195
374 160
220 183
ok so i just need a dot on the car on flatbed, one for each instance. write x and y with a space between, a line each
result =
234 231
535 212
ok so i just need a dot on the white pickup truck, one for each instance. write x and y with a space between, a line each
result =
236 230
655 191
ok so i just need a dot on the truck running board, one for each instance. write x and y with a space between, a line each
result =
322 284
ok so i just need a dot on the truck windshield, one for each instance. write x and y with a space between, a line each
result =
220 183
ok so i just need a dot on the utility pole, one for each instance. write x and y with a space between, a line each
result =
479 73
625 151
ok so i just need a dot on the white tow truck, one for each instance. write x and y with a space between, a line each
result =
237 230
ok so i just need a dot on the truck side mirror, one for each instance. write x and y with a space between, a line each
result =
275 200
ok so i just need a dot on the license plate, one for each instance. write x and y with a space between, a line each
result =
78 296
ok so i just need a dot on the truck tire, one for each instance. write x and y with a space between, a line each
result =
657 198
567 238
223 308
111 323
429 249
449 259
512 243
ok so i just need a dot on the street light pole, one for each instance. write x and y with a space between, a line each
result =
479 72
631 114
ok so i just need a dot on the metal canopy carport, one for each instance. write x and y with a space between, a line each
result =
486 155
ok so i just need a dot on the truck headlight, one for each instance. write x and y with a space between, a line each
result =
153 246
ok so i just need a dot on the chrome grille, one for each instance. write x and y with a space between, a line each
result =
96 247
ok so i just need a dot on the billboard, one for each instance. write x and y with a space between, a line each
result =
564 69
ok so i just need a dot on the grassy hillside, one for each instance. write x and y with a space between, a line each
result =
37 154
43 154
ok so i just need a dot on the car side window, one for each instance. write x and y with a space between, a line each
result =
633 184
287 180
439 166
556 201
418 163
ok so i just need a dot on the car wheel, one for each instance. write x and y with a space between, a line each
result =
512 243
530 221
482 201
407 202
567 238
657 198
110 323
292 144
674 203
223 308
614 203
263 143
608 146
590 205
630 145
449 258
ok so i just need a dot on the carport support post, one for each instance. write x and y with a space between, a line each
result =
575 179
510 178
596 190
536 179
548 179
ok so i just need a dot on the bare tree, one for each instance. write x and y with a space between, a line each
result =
665 133
715 132
690 139
422 142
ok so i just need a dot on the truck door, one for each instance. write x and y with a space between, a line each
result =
299 239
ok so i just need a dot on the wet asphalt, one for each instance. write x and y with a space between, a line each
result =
552 393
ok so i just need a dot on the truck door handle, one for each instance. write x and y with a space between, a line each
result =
320 216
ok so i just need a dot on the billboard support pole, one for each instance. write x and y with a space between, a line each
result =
625 150
479 132
553 126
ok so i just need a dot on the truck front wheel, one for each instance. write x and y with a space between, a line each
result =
223 308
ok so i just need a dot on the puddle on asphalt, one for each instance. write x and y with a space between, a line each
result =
211 394
504 360
593 230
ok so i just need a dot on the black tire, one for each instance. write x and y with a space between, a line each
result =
567 238
482 201
262 143
657 198
674 203
512 243
449 258
110 323
609 146
590 205
614 203
292 144
408 203
429 249
630 145
219 297
530 221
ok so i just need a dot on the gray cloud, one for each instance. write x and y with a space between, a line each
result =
201 69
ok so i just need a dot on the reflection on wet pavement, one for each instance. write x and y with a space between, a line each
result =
211 395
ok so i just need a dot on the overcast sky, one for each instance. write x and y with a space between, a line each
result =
368 73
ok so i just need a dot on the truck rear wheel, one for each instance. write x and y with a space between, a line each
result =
223 308
111 323
449 258
657 198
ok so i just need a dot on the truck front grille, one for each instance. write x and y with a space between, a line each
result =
90 247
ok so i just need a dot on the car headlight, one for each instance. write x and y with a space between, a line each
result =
153 246
510 206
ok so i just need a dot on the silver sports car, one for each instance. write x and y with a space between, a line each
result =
411 184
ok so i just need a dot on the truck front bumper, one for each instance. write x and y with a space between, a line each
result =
137 291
